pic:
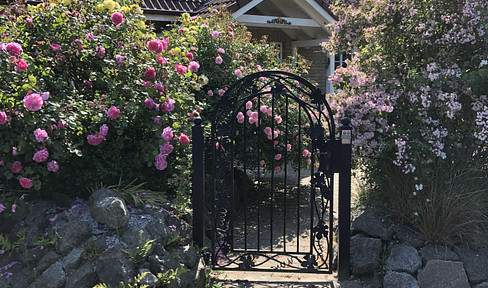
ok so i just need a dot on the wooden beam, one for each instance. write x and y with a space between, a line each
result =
316 12
246 8
258 19
160 18
308 43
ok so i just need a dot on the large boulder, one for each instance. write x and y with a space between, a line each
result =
108 207
476 264
443 274
114 266
404 258
373 224
437 252
395 279
71 234
409 236
365 254
83 277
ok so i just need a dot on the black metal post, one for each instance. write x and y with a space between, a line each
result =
345 200
198 183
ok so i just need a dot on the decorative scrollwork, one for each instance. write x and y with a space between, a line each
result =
320 230
310 262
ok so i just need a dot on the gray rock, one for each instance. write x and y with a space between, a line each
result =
47 261
194 278
53 277
404 258
134 236
350 284
476 264
33 256
108 207
187 255
83 277
148 278
443 274
71 234
114 266
158 229
372 224
161 263
22 278
72 260
365 254
482 285
437 252
394 279
407 235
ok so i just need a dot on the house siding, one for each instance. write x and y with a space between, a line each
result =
318 68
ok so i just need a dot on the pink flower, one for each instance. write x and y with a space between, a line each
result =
3 117
2 207
210 93
214 34
263 109
41 155
184 139
25 182
100 53
33 102
193 66
117 18
55 47
16 167
20 65
161 60
160 162
52 166
159 86
278 119
238 55
306 153
240 117
189 56
155 46
13 207
218 60
268 131
150 73
95 140
277 169
221 51
14 151
113 113
221 92
278 156
238 73
14 49
166 149
103 130
120 59
40 134
167 134
180 68
248 105
288 147
45 95
261 163
149 102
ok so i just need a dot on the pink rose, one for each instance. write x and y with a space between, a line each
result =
117 18
150 73
16 167
238 73
218 60
221 51
95 140
277 169
278 119
193 66
221 92
288 147
214 34
277 157
33 102
181 69
210 93
40 134
14 49
160 162
184 139
248 105
268 131
161 60
159 86
52 166
155 46
100 53
263 109
25 182
306 153
3 117
41 155
238 55
103 130
45 95
166 149
164 43
167 134
113 113
261 163
240 118
149 102
189 56
20 65
55 47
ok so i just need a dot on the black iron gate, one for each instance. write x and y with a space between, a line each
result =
272 157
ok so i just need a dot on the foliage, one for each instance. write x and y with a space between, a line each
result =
140 252
416 90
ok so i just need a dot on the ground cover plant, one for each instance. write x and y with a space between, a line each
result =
89 94
416 90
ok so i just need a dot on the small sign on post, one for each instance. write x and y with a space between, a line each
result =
346 136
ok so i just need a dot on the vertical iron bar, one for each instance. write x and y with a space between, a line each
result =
198 183
300 154
245 188
259 174
312 193
345 199
271 208
286 173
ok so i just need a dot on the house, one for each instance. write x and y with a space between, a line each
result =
295 26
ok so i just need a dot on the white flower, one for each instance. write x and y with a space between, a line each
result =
419 187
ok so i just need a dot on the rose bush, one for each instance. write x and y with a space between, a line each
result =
416 91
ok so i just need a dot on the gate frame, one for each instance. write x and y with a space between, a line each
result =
342 167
